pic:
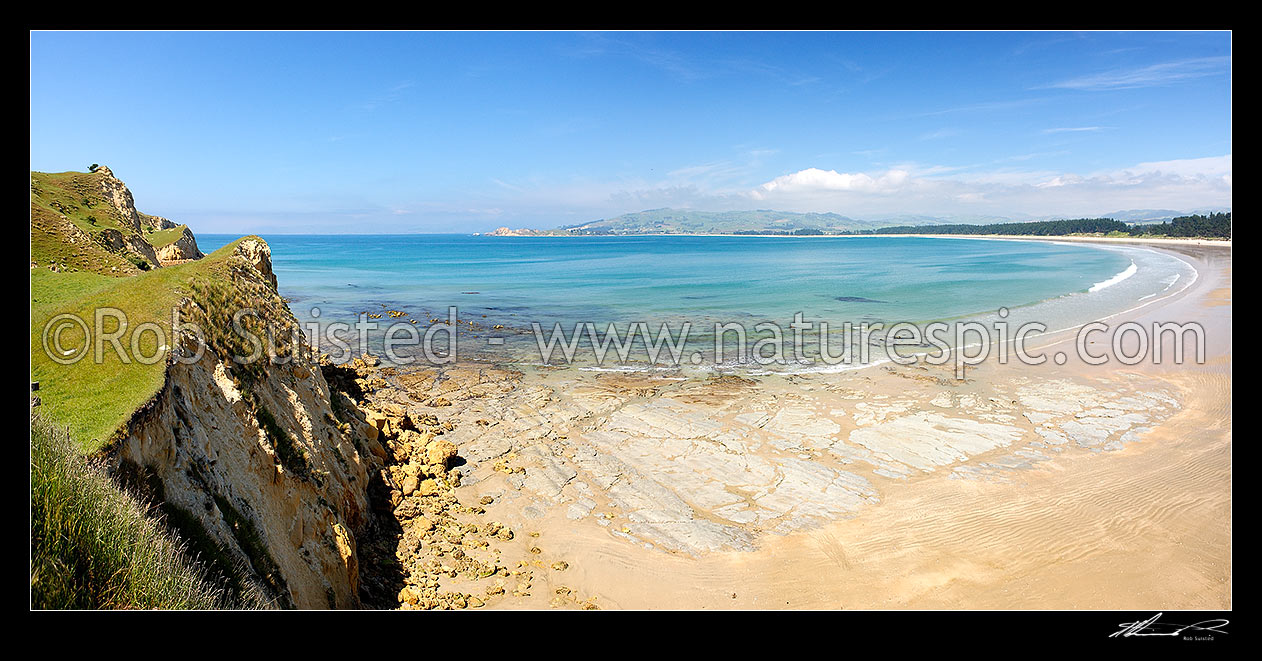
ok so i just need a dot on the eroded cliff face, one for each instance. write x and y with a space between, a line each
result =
258 255
256 456
118 242
131 239
118 195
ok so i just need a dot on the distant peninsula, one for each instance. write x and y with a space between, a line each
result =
1214 224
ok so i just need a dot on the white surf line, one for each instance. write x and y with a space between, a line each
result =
1166 288
1132 269
1105 284
1195 276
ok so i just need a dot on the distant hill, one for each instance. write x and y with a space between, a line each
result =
766 221
679 221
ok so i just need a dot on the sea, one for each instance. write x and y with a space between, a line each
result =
508 296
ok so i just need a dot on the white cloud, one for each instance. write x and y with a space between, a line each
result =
940 134
814 180
1214 166
1173 184
897 189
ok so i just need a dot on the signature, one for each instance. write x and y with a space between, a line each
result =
1151 627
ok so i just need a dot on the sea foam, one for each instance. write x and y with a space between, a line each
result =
1104 284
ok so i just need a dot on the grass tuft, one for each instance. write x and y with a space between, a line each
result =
93 546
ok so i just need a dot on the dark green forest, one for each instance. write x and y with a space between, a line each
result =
1215 225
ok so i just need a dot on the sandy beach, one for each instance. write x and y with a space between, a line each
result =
891 487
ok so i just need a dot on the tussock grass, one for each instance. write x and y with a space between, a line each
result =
94 546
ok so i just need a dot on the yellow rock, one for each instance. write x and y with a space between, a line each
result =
408 596
369 431
439 452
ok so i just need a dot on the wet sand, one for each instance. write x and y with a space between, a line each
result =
891 487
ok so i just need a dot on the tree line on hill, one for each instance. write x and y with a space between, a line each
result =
1215 225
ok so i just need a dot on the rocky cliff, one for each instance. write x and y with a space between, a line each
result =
257 465
130 237
120 197
256 460
275 481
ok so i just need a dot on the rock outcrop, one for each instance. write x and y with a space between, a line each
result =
133 244
135 225
259 256
118 195
525 231
156 223
130 239
185 248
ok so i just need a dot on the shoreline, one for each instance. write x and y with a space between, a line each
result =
1002 237
1008 237
751 369
629 479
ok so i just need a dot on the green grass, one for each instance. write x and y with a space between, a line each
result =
78 196
164 238
93 544
51 245
68 210
96 398
96 544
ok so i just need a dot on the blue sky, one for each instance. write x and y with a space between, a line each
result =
435 131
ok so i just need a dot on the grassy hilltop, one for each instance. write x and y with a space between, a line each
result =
95 399
75 269
70 218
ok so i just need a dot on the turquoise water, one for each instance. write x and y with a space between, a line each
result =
649 278
517 280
